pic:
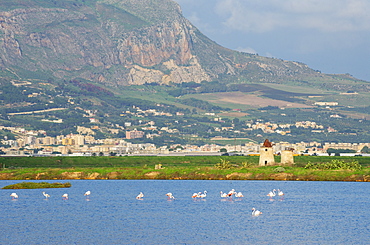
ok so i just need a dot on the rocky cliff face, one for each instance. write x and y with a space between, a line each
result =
102 42
122 42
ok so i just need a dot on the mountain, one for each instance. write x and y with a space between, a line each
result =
102 63
125 42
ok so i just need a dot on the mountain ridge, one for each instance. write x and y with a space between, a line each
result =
130 42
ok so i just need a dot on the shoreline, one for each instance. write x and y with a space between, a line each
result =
158 175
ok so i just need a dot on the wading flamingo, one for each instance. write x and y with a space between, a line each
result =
14 195
141 195
280 193
203 195
271 193
65 196
45 195
256 212
232 192
170 196
87 193
223 194
239 194
195 195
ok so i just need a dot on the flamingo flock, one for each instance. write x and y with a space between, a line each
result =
231 193
199 195
46 195
273 193
170 196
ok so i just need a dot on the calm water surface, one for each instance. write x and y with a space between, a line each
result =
309 213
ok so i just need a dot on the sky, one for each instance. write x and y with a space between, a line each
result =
332 36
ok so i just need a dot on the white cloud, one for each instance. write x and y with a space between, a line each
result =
247 50
194 18
268 15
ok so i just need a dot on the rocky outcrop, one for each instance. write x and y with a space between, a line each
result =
93 176
72 175
89 42
6 176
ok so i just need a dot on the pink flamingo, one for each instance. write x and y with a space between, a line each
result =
14 195
141 195
223 194
271 193
195 195
256 212
170 196
232 192
239 194
203 195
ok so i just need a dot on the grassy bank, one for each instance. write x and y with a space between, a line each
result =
190 167
142 161
39 185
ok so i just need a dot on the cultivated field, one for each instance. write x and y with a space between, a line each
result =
251 100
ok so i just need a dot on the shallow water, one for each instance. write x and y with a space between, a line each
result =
309 213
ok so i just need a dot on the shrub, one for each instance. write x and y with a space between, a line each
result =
223 164
279 169
334 165
246 164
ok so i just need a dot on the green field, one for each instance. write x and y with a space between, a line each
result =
188 167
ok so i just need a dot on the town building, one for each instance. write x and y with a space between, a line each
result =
135 134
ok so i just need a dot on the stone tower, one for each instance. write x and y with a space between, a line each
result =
266 154
287 156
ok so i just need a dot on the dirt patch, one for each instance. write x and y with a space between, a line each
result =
152 175
254 100
234 114
113 175
239 176
282 176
